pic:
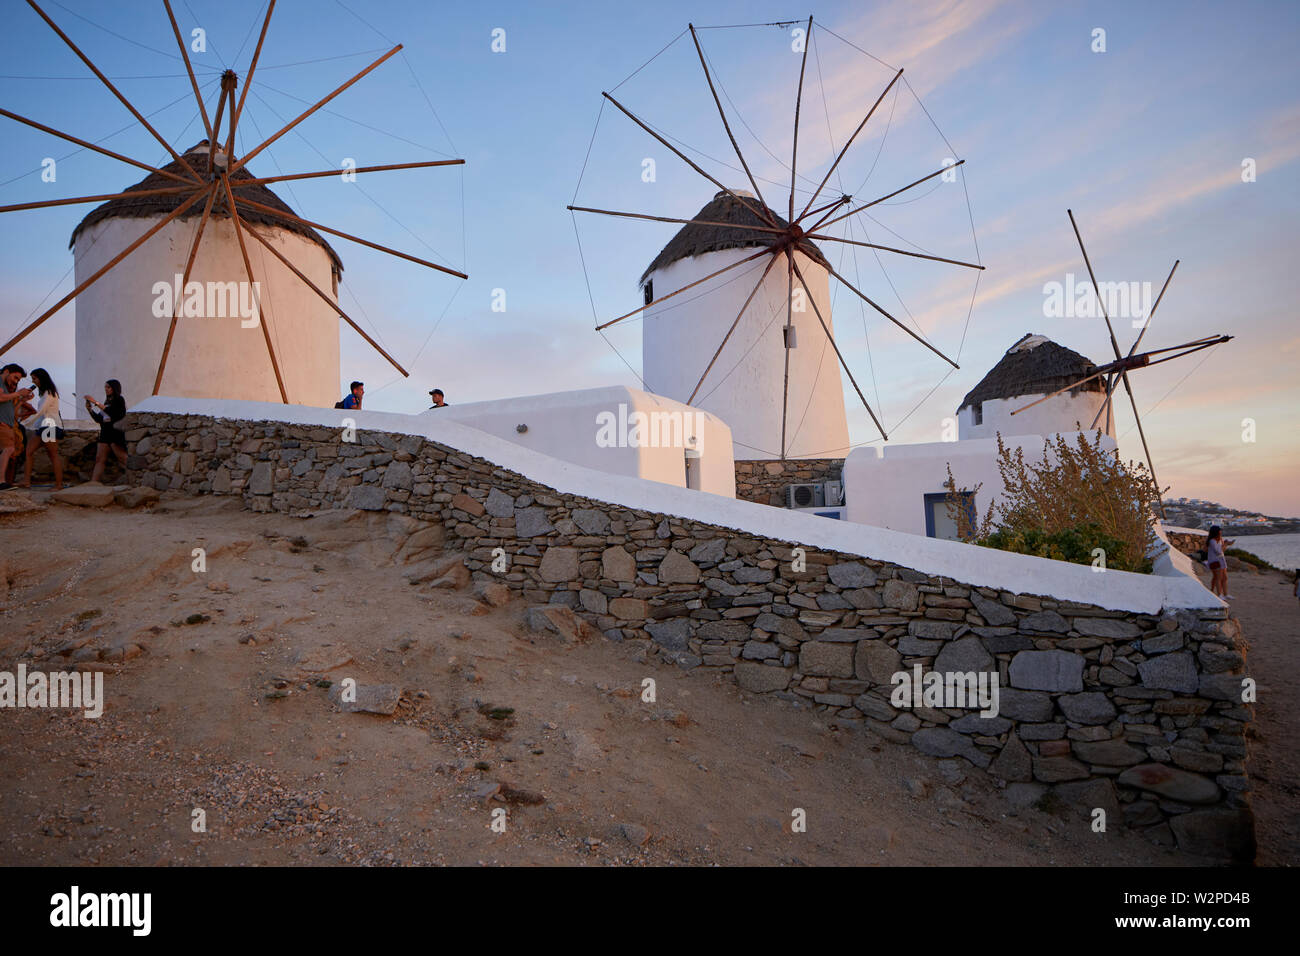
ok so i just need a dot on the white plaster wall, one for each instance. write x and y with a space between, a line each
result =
119 337
1064 413
680 336
564 425
1172 584
889 491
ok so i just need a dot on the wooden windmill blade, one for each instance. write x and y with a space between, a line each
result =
1096 289
218 181
1137 417
838 354
176 157
1123 372
1111 382
758 193
189 69
1113 370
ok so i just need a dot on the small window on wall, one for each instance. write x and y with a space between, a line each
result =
938 522
977 413
649 291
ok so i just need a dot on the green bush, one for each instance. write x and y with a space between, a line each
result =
1071 544
1079 497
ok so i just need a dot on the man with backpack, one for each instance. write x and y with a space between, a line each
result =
353 399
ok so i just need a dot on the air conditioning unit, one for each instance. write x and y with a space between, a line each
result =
805 496
833 491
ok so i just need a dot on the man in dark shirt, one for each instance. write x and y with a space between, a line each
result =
436 395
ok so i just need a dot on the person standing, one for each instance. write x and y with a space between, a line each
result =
436 396
45 427
108 413
11 439
1217 562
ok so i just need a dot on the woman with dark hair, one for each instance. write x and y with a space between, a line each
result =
111 411
1217 562
45 428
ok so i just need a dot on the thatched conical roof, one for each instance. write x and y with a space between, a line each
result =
1035 365
695 239
129 207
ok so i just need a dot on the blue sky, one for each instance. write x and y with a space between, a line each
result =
1144 141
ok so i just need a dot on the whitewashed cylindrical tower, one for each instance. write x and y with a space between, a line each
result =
218 350
1032 368
747 385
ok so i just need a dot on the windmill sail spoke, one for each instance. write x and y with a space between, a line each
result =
311 109
1083 381
189 265
1195 348
1146 450
1111 382
689 222
113 89
734 145
822 223
169 190
871 303
262 181
861 125
98 149
830 205
194 84
1096 290
327 299
227 87
1150 315
238 111
279 213
721 345
33 325
901 252
686 159
712 275
248 269
831 338
794 149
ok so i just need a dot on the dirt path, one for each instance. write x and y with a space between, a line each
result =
1270 618
225 715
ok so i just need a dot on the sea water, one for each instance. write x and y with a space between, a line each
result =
1280 550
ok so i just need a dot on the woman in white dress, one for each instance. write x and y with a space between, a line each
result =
45 428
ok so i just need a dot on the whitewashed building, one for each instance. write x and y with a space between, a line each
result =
745 386
618 430
901 486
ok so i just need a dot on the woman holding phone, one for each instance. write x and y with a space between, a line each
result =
1217 562
108 413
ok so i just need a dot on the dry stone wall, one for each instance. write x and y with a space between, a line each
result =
1186 541
1137 714
765 481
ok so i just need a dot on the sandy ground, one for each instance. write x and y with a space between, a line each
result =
1270 618
227 715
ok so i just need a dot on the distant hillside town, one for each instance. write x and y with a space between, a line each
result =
1199 513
